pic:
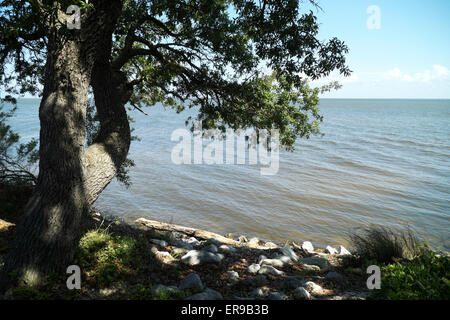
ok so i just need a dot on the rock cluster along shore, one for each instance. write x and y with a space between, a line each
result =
250 268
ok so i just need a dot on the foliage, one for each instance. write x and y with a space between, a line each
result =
107 258
244 63
424 278
17 160
384 245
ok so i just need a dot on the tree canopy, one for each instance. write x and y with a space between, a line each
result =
212 54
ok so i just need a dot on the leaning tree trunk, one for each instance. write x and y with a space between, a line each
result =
71 177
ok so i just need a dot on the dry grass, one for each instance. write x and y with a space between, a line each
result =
384 244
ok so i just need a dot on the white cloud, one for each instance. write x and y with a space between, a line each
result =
436 72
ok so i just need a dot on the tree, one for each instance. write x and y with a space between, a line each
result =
181 53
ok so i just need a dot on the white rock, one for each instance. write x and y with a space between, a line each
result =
301 293
178 250
313 288
344 251
233 275
308 247
285 259
272 262
195 257
261 258
227 249
161 243
259 292
289 252
270 270
331 250
254 268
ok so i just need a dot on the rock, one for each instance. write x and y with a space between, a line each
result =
272 262
254 268
344 251
314 288
242 239
182 243
211 248
226 249
277 296
192 281
316 261
164 256
194 241
301 293
195 257
286 250
233 276
161 243
154 250
208 294
215 242
334 276
177 251
261 258
285 259
259 292
292 282
256 281
253 241
308 247
308 267
331 250
265 269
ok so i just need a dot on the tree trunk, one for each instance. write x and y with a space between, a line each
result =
70 177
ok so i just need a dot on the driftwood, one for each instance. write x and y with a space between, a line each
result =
197 233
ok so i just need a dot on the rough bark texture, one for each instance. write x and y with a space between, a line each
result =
70 177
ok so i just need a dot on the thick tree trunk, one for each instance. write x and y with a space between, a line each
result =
50 227
70 177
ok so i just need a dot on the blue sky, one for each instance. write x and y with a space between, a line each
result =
407 57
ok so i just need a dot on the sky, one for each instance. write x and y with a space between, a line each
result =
398 48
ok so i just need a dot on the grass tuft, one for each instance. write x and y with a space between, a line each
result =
384 245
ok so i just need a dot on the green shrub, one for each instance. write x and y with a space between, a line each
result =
107 258
424 278
384 245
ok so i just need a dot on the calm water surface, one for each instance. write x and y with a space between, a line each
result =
380 162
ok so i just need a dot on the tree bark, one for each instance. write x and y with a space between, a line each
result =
70 177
